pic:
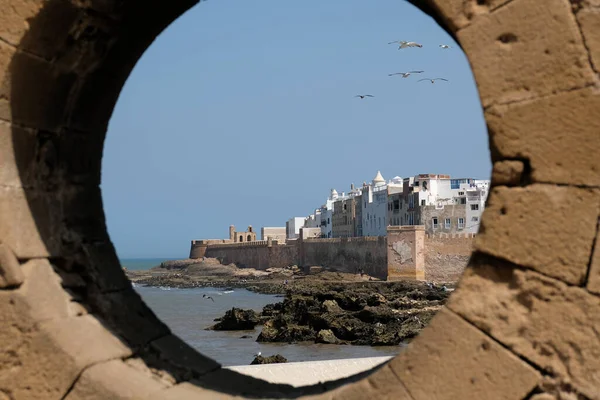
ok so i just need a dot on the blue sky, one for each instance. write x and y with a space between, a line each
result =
244 113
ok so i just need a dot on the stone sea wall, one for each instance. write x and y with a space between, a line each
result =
406 253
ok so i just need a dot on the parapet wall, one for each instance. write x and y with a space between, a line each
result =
447 255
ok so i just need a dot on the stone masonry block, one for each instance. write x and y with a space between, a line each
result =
526 49
558 134
48 27
115 380
48 357
30 222
37 92
42 292
188 391
10 269
594 275
44 160
12 28
74 336
382 384
452 359
15 167
551 324
507 172
6 54
136 321
544 227
589 20
460 13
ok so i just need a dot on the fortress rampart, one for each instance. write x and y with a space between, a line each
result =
405 253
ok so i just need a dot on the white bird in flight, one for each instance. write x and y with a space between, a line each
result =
433 80
362 96
445 46
404 44
406 74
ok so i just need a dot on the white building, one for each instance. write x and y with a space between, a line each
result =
326 212
444 204
476 195
292 227
313 220
374 204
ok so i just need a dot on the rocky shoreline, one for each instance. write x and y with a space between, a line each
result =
356 314
328 307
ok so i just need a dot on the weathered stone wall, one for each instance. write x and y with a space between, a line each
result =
447 256
198 247
244 255
283 256
347 254
404 252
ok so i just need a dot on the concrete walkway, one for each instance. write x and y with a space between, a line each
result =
309 372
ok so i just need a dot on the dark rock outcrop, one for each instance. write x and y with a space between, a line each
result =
237 319
326 336
276 359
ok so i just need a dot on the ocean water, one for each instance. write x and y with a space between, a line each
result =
188 314
142 263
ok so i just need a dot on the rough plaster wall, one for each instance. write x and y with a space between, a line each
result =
243 256
446 258
348 256
523 323
283 256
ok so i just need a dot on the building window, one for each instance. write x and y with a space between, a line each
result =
422 202
241 238
463 200
461 223
461 193
328 221
249 238
435 222
345 208
447 223
474 207
475 219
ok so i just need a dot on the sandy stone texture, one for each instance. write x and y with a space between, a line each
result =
452 359
526 49
544 227
557 134
554 326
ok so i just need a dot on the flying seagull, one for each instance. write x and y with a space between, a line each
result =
403 44
406 74
445 46
362 96
208 297
433 80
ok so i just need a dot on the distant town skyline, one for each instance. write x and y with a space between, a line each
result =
243 113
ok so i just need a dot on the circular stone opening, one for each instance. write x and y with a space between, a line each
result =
533 282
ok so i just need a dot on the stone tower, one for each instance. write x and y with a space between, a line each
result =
232 233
